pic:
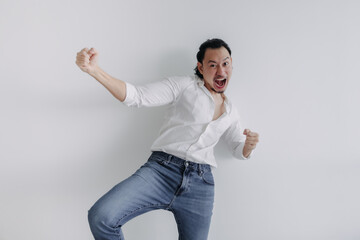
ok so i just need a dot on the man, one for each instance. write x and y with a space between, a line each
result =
177 176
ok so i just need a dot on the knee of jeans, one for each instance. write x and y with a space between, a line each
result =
93 218
98 218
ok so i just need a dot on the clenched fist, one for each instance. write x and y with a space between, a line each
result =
87 60
252 138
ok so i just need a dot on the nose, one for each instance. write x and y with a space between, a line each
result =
220 71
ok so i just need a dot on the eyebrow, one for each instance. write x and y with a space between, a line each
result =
212 61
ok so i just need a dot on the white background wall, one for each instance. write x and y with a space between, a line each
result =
65 141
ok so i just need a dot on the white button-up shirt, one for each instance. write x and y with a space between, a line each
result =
189 131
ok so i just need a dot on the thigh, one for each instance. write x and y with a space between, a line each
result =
193 208
141 192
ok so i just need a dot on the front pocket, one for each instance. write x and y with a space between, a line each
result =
157 158
208 178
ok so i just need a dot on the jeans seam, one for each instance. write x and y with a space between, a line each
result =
134 211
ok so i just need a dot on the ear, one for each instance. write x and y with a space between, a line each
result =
200 68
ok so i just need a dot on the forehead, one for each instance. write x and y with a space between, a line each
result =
216 54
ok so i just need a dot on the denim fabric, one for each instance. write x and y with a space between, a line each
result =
163 182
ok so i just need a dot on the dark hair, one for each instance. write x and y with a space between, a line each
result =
210 43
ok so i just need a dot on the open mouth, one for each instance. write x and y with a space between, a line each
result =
220 83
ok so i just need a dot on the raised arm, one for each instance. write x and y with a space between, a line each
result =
87 60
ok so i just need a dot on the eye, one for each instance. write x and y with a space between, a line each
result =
212 65
226 63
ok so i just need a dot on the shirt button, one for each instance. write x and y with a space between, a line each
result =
186 164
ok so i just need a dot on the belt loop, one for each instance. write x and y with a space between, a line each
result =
169 158
200 170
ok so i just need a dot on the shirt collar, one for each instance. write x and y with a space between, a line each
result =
199 81
227 103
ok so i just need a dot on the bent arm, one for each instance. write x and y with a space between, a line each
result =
236 141
235 138
115 86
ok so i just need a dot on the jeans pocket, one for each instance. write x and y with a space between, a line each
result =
208 178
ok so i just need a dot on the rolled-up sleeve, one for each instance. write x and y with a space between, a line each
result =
235 138
154 94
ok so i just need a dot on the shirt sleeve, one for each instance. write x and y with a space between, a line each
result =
235 138
154 94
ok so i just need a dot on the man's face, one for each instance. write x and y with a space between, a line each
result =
216 69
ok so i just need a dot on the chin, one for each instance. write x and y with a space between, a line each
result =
218 91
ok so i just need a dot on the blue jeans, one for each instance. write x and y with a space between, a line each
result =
163 182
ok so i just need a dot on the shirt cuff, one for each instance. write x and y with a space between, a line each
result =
238 153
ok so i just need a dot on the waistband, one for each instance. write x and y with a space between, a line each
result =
166 157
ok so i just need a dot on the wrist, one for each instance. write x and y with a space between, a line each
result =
247 151
95 71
